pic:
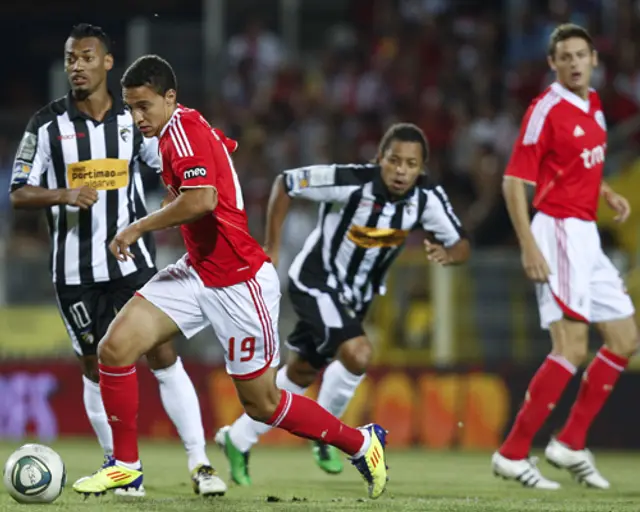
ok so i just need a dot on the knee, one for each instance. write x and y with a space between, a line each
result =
625 346
356 354
263 407
576 353
300 372
115 348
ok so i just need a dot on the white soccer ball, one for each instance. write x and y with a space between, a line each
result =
34 474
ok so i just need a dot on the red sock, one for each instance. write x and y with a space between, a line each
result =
303 417
545 389
597 382
119 389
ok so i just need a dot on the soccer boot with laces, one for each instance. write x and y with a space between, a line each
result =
373 464
327 458
112 476
238 461
206 482
580 463
524 471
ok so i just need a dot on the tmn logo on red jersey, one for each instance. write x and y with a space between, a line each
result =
593 157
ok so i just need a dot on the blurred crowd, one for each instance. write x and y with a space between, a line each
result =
463 71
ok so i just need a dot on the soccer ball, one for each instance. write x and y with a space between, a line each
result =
34 474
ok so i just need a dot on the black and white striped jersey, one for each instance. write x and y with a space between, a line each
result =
64 148
361 229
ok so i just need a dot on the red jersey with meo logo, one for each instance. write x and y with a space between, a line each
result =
561 149
219 245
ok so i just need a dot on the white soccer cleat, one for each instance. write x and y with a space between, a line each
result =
206 482
579 463
524 471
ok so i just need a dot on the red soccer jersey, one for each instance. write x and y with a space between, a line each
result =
561 149
219 245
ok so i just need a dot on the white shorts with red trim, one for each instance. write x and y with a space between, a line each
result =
244 316
584 284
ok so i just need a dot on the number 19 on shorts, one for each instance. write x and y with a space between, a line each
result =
242 351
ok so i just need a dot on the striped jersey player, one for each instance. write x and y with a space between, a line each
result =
366 213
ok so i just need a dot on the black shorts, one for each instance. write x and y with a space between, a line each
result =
87 310
324 323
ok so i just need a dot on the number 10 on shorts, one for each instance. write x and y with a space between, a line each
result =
246 349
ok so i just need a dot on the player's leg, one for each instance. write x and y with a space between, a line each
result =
177 393
344 344
612 311
80 313
245 318
339 384
169 306
237 440
564 311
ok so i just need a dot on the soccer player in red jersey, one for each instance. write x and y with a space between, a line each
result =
561 151
225 280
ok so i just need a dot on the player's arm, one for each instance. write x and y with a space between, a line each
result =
31 161
320 183
521 171
440 219
194 160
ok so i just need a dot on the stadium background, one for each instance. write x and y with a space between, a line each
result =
317 81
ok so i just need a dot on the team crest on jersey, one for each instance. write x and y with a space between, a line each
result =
125 132
600 120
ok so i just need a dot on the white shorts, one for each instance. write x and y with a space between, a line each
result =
584 284
243 316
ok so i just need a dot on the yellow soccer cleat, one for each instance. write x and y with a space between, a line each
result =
111 477
373 464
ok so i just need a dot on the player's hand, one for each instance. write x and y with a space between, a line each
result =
618 204
436 253
83 197
119 246
535 266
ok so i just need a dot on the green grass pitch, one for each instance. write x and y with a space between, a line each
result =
420 480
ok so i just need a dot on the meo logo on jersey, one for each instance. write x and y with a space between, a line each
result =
195 173
593 157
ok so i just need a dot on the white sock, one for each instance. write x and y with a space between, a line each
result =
337 389
97 416
365 444
245 431
130 465
180 400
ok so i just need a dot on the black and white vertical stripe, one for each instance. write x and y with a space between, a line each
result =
79 237
354 196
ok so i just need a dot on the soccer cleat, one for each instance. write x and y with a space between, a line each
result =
373 464
524 471
579 463
327 458
206 481
111 476
238 461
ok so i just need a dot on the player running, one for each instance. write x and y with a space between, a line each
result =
225 280
366 213
68 149
561 150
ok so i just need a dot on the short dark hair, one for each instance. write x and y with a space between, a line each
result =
84 30
567 31
152 71
404 132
